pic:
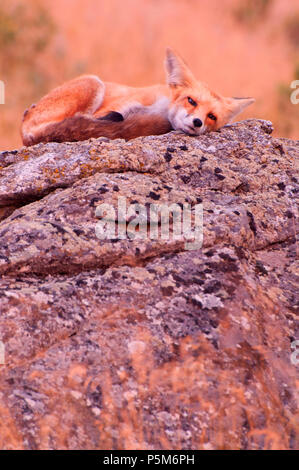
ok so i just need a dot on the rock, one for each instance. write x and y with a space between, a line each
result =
139 342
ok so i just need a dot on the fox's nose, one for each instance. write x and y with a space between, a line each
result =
197 122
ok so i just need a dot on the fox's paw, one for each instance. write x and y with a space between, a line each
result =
113 116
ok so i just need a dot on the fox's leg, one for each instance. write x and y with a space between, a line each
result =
82 95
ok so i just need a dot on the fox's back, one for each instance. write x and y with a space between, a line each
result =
117 97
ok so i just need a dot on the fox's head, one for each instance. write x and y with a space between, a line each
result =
194 108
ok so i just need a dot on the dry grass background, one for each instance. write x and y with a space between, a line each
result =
239 47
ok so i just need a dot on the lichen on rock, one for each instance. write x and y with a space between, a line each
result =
140 343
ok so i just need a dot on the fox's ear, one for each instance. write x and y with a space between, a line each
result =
236 105
177 71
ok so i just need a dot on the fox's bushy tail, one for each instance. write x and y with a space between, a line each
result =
83 127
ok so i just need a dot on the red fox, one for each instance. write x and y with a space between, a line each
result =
86 107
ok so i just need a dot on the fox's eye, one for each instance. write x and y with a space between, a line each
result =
191 101
212 116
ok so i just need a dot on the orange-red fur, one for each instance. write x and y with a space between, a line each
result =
80 109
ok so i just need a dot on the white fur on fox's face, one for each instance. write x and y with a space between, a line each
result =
181 120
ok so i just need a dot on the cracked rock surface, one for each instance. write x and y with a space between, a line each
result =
139 343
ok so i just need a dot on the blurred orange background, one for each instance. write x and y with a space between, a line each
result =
239 47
